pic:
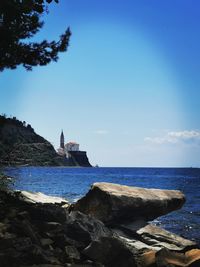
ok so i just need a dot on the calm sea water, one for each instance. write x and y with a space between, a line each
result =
73 183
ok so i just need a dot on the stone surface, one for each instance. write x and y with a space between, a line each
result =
84 229
166 257
42 265
38 197
47 213
148 259
153 238
52 226
156 247
157 255
72 253
133 241
45 234
42 234
113 203
46 241
158 237
111 252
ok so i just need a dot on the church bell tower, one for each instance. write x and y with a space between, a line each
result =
62 140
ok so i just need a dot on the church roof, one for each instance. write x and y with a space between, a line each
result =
72 143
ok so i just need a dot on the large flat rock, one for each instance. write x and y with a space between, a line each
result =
113 203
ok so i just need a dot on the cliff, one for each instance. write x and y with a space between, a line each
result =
20 145
78 158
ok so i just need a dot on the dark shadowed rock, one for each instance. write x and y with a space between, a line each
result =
112 203
37 233
51 226
72 253
84 229
25 228
111 252
43 265
47 212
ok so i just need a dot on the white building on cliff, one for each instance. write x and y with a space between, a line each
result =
65 148
71 146
71 153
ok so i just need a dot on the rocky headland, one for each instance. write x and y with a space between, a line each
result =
21 146
108 227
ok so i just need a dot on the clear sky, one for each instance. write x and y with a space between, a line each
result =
127 90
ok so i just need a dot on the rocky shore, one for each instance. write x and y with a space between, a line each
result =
108 227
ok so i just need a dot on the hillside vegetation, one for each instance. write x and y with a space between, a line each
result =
20 145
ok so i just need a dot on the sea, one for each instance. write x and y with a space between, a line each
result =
73 183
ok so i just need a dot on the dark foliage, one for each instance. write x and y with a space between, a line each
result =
19 21
14 121
20 145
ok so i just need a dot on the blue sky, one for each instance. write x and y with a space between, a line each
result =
127 89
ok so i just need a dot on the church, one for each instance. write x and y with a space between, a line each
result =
71 152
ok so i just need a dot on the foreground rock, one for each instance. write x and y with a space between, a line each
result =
33 233
113 203
42 231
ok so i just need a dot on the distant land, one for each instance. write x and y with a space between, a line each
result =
21 146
